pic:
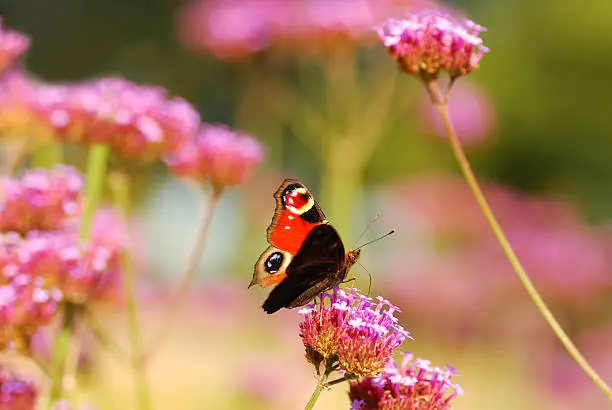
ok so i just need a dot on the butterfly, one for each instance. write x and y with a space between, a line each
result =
306 255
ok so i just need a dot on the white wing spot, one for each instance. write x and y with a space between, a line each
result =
287 227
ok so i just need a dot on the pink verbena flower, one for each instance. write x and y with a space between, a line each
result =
136 121
235 29
414 385
354 330
77 269
23 110
40 199
428 42
12 45
26 303
16 393
218 155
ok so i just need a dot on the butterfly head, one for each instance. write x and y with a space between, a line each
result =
351 258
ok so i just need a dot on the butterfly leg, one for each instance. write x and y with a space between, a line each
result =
353 279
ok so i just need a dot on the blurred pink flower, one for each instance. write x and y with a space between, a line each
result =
12 45
59 260
428 42
567 386
217 155
26 303
22 108
233 29
136 121
16 393
40 199
471 111
446 252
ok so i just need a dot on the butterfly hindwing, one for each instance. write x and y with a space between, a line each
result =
318 266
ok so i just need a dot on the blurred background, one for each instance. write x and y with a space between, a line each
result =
310 81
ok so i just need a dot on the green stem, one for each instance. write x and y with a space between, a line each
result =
466 169
120 188
61 348
208 209
315 396
94 183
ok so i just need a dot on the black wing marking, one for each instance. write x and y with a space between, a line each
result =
317 267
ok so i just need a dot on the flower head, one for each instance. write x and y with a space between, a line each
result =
218 155
135 121
12 45
40 200
414 385
429 42
352 328
15 392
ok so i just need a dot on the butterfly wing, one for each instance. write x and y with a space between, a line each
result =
296 215
317 267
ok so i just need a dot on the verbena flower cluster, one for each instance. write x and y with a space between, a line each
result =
413 385
42 261
12 45
218 155
234 29
40 199
429 42
352 329
16 393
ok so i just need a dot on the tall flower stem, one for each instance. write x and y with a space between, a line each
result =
120 188
440 103
61 349
315 395
209 204
94 183
96 170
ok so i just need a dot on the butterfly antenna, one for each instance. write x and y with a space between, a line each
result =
369 276
377 239
367 228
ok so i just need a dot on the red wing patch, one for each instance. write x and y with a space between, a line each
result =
296 214
288 231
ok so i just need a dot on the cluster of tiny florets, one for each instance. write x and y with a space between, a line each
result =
361 334
413 385
12 45
16 393
428 42
40 199
219 155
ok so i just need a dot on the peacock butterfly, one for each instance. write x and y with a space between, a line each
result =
306 255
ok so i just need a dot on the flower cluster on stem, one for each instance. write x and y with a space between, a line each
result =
413 385
352 330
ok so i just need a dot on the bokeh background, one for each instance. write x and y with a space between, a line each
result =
334 111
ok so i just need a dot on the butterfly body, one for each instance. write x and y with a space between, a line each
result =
306 255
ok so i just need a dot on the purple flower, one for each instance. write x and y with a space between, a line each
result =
25 304
428 42
235 29
354 330
12 45
218 155
40 200
15 392
470 110
414 385
135 121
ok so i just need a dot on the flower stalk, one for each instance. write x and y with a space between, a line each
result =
209 205
121 193
440 103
